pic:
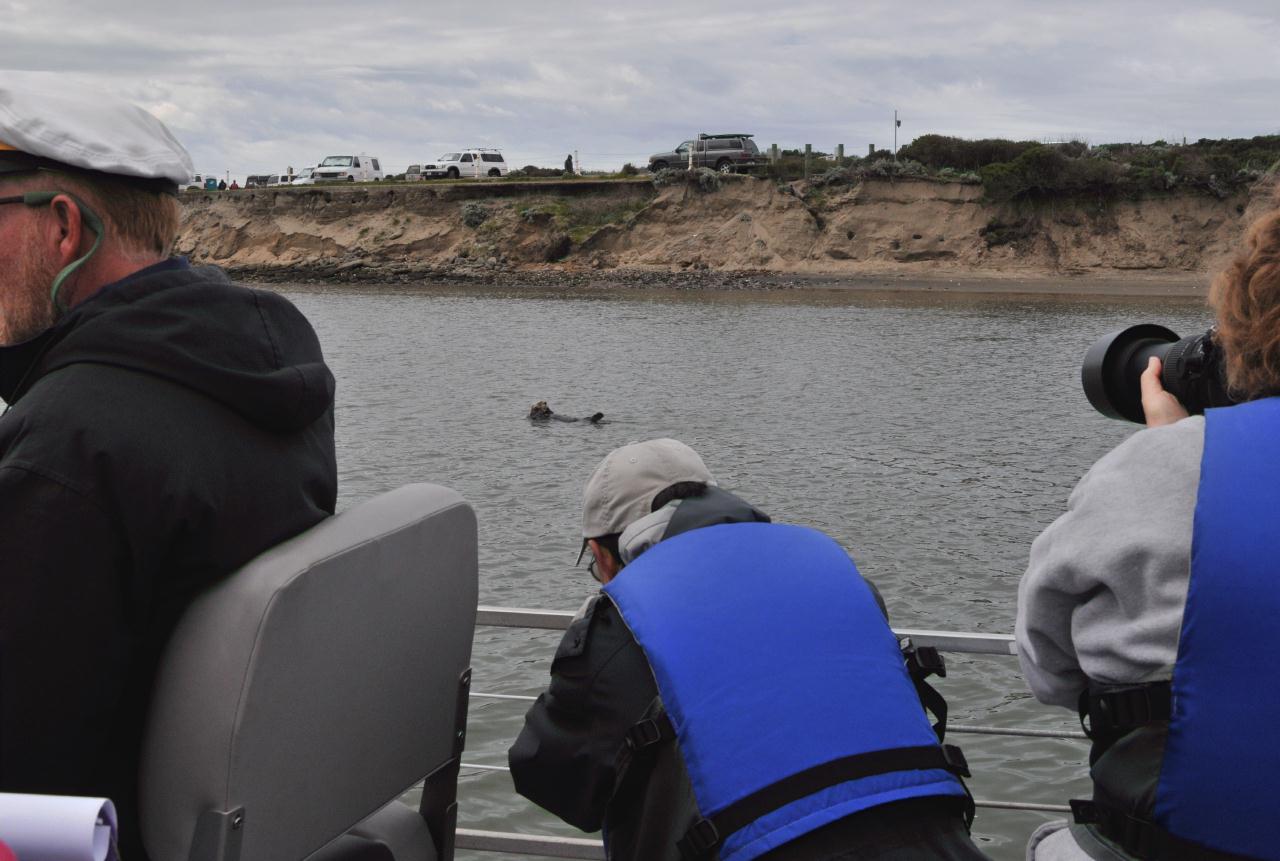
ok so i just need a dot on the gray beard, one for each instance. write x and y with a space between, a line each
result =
26 311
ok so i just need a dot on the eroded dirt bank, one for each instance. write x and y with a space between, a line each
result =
748 229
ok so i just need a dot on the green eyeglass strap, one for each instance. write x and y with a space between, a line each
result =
90 219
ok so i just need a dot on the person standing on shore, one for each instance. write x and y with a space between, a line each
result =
163 427
568 164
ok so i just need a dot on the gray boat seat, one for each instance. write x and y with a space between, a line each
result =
299 698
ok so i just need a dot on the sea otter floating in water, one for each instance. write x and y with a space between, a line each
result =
541 412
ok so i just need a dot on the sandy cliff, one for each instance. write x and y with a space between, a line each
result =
921 228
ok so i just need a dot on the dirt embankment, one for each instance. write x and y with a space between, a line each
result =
748 227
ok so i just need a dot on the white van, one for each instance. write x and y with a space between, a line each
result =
200 182
472 162
348 168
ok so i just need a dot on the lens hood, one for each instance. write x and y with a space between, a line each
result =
1112 368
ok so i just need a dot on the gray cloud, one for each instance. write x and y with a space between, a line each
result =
253 88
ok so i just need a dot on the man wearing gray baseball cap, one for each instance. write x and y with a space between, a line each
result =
163 426
734 692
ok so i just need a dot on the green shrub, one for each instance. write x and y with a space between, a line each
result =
887 167
630 169
474 214
1043 171
965 177
702 178
836 176
938 151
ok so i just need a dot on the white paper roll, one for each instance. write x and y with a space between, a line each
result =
58 827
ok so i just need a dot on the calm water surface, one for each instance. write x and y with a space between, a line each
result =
932 435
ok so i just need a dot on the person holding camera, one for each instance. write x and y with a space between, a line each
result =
735 690
1150 605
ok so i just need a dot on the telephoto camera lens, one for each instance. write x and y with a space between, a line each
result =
1191 371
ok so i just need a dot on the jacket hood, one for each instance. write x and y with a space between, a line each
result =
250 350
715 506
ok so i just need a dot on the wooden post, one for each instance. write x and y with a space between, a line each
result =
773 154
839 154
808 151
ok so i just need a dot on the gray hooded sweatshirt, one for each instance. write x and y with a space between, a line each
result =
1104 592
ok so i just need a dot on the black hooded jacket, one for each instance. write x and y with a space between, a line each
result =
161 435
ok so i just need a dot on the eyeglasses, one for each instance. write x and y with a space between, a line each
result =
591 569
31 198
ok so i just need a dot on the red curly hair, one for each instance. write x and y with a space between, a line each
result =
1246 299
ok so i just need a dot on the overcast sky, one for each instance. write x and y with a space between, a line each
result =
254 87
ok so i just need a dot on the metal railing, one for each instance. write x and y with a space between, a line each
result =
567 847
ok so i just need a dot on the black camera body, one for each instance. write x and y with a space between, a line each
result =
1192 371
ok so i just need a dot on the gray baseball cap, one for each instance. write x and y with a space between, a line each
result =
622 488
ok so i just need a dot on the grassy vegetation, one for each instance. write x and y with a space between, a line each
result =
1029 170
581 217
1026 170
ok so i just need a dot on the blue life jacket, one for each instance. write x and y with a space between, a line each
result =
1217 784
785 687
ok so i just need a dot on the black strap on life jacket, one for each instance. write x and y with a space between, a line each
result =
648 732
923 662
1142 838
706 835
1121 709
641 738
1109 712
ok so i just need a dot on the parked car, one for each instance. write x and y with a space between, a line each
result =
201 182
471 162
256 180
727 153
413 172
348 168
303 177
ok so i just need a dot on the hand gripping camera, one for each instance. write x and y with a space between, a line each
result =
1192 371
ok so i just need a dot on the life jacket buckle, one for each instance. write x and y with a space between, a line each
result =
1121 710
699 840
646 733
956 763
923 661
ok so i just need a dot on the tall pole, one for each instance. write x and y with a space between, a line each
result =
896 123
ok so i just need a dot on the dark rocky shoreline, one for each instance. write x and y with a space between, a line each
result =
485 275
372 272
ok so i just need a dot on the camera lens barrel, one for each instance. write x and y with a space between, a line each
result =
1112 368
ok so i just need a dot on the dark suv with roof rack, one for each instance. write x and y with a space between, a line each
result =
727 153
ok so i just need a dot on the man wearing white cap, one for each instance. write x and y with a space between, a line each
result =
734 692
162 427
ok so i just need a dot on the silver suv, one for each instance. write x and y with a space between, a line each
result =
726 153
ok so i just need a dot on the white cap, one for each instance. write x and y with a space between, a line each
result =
47 123
622 488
